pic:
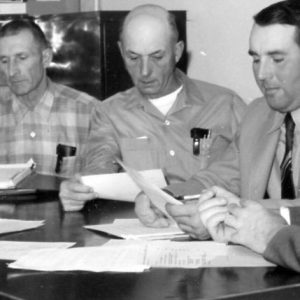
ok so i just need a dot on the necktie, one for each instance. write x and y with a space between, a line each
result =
287 185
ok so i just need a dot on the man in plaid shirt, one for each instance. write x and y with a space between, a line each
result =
39 118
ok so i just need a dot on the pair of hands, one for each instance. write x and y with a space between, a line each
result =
219 214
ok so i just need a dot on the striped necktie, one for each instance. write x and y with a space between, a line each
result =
287 185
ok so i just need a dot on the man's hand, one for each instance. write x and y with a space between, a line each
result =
254 225
148 214
188 219
74 194
213 212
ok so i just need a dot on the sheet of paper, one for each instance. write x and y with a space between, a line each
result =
170 254
13 225
134 229
127 258
119 186
12 250
157 196
136 256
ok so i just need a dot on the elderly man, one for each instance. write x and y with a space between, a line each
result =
152 121
39 119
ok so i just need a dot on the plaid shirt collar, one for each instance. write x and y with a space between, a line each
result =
42 109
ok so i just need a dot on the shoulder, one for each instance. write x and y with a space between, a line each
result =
69 96
257 107
121 99
212 93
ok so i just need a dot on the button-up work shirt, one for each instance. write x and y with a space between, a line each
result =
145 138
62 116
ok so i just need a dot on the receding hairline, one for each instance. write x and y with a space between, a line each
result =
155 11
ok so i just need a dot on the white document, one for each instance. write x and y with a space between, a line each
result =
136 256
134 229
169 254
119 186
127 258
158 197
13 225
12 250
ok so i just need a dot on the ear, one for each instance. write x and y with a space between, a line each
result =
47 57
179 46
121 48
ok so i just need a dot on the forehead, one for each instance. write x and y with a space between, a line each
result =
146 34
270 38
19 42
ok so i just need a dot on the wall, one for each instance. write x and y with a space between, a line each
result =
217 38
44 7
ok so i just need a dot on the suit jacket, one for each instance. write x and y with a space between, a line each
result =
257 147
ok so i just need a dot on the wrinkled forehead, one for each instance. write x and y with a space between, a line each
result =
18 42
146 26
273 37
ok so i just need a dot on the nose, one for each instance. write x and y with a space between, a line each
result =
13 68
265 70
145 66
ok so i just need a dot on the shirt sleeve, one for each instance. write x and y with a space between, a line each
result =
102 147
284 248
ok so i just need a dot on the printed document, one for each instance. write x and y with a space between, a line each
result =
136 256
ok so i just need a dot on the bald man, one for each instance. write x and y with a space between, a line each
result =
149 126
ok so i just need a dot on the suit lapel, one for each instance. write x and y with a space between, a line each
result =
264 152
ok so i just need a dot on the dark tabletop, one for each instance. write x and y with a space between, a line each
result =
203 283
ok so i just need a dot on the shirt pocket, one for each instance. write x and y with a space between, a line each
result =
69 166
139 153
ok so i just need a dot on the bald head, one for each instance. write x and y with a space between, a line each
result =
145 16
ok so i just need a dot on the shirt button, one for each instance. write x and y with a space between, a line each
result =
167 122
32 134
172 152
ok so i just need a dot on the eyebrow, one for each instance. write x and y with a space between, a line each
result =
274 52
152 53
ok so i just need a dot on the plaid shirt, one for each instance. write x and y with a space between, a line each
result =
63 116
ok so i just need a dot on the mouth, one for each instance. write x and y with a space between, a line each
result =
271 90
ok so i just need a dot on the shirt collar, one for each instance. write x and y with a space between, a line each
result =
182 101
42 109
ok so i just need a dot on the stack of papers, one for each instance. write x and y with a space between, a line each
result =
137 256
134 229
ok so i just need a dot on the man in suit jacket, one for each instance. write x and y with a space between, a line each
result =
251 168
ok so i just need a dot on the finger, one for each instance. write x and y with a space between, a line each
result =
215 220
205 215
211 203
231 221
70 205
206 195
187 209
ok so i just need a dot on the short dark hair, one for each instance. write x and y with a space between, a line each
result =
19 24
283 12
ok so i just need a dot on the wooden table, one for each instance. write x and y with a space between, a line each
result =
207 283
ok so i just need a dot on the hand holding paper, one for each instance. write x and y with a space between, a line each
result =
156 195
